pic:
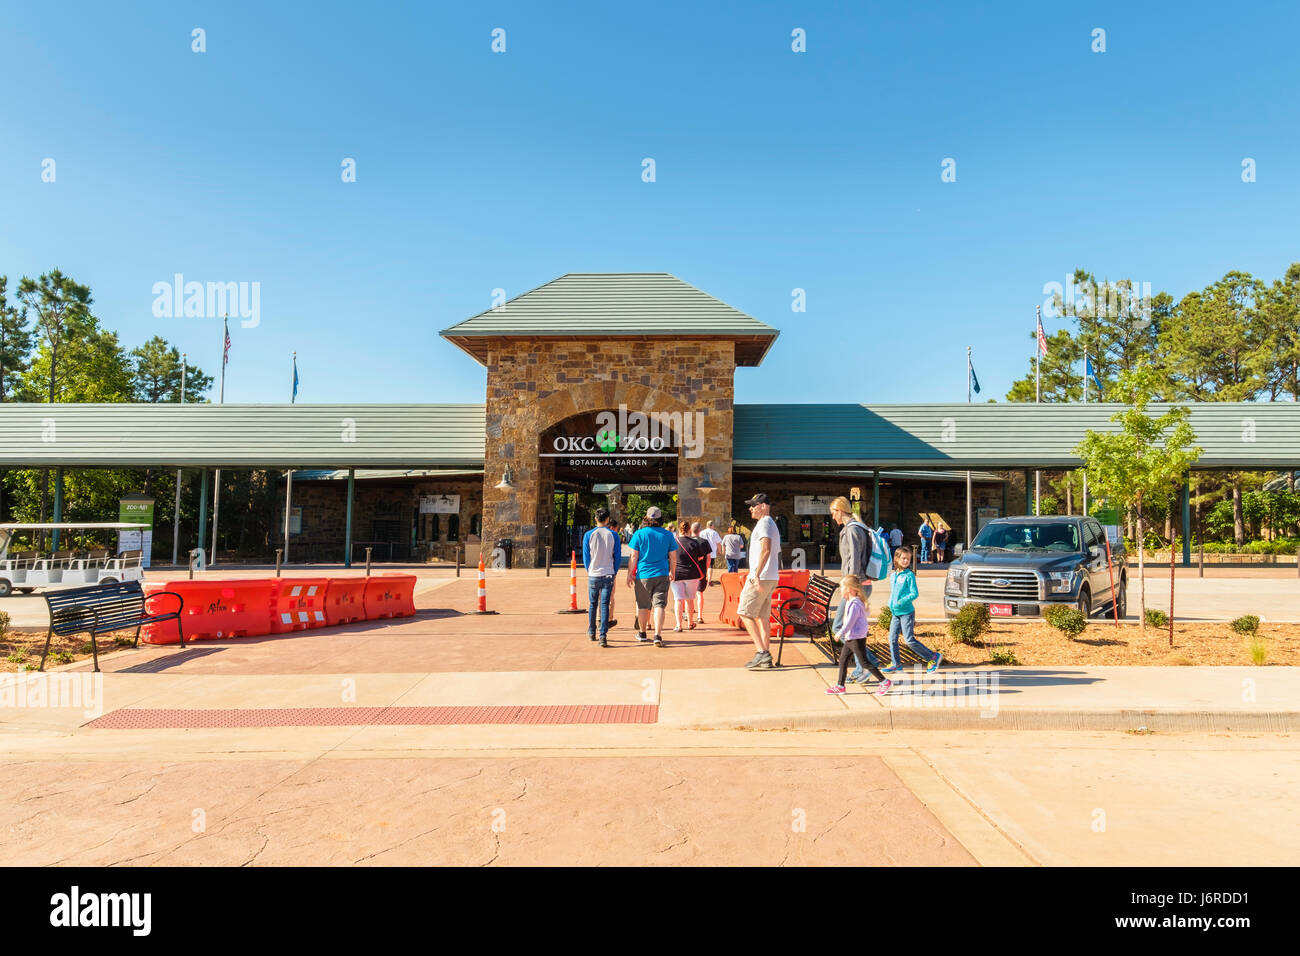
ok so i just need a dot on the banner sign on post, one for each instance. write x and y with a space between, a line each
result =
136 509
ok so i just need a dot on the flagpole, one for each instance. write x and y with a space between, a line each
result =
176 521
221 400
288 478
970 535
1085 401
1038 394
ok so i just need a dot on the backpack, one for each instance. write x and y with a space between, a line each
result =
877 567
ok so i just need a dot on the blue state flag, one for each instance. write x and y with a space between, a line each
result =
1089 370
295 381
974 380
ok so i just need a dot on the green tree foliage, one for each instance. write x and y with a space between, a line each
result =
156 374
59 305
15 340
1147 459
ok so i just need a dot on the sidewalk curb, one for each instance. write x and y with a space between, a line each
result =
1192 721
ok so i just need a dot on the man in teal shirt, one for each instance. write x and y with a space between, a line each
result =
650 569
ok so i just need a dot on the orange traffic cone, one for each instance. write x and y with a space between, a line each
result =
482 588
573 587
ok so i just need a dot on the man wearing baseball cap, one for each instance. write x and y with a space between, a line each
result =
755 605
652 565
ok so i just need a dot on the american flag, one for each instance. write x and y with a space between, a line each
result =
225 352
1042 337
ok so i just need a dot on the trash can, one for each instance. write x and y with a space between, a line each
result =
507 545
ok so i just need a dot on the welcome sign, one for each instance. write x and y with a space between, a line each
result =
136 509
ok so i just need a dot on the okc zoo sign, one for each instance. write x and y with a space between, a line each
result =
639 433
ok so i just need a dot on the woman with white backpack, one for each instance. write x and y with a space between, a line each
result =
863 555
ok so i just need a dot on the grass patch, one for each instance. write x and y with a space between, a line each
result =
62 657
16 656
1257 648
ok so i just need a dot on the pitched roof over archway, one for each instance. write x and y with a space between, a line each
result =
614 305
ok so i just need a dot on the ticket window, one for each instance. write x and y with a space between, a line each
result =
435 528
783 527
453 527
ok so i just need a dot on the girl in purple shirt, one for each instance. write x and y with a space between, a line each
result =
853 633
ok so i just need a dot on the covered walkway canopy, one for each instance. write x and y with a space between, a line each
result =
1260 436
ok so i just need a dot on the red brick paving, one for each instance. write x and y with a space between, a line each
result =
229 718
526 635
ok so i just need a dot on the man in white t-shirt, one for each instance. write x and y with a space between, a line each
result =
715 542
755 606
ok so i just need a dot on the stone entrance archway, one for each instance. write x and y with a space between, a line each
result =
534 387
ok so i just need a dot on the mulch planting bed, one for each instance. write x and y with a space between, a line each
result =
1105 644
21 650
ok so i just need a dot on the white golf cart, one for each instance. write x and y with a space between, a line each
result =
28 570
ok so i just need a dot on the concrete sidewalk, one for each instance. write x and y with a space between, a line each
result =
1181 699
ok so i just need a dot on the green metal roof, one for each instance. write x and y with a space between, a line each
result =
1246 435
610 305
235 436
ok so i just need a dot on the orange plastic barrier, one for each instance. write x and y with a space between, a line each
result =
299 603
390 595
345 601
734 581
214 610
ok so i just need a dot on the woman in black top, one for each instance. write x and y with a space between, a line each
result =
691 564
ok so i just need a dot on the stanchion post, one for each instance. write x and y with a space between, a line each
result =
278 553
459 555
368 550
548 560
822 563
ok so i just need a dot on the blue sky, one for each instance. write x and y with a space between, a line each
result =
775 170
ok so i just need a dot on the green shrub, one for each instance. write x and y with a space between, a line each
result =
970 623
16 656
1257 647
1157 617
86 648
62 657
1066 619
1052 614
886 616
1246 624
4 624
1004 655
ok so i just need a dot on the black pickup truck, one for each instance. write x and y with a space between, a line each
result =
1018 565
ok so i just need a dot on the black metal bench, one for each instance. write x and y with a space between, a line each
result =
810 612
103 608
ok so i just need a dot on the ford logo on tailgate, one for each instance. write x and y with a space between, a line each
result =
1002 582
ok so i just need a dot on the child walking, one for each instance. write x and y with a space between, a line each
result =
902 597
854 635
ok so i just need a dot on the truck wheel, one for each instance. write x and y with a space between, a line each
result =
107 581
1121 602
6 587
1085 603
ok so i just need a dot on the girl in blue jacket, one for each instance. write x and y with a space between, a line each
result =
902 596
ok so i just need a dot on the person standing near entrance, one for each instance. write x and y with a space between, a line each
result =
650 568
692 552
601 556
733 548
619 532
895 538
940 543
715 545
925 532
755 606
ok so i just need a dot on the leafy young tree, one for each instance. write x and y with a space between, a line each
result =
59 305
95 368
1145 461
156 374
15 340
